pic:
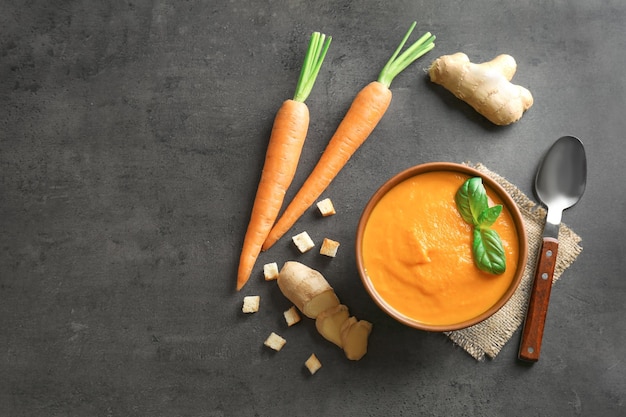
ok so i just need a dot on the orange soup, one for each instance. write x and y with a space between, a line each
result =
417 252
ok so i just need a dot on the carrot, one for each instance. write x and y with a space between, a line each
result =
367 109
283 153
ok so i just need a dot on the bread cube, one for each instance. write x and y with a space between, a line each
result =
275 342
270 271
292 316
329 247
303 241
313 364
326 207
251 303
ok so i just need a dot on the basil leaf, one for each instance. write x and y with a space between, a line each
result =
471 200
489 216
462 200
478 197
473 205
488 251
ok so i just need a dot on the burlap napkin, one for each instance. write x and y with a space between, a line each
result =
488 337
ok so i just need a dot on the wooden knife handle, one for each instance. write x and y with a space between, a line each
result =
530 345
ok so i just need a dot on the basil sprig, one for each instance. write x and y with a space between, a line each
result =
472 203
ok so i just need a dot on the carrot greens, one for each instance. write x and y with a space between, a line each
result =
397 64
315 54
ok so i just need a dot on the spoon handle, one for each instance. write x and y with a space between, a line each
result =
530 345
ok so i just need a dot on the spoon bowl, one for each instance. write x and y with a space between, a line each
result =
562 176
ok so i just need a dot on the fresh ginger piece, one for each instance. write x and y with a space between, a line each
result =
309 291
329 322
313 364
354 337
486 86
321 302
306 288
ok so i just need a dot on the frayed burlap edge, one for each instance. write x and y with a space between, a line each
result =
489 337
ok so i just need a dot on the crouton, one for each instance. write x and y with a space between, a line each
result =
291 316
303 241
313 364
329 247
275 342
270 271
326 207
251 303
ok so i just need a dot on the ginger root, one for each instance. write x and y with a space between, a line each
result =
354 335
309 291
486 87
329 322
306 288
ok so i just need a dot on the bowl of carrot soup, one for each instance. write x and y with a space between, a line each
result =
415 253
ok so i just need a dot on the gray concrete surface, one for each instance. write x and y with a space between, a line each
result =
131 141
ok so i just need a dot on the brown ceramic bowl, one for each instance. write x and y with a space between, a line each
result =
493 188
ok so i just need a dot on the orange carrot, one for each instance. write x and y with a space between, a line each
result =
362 117
283 153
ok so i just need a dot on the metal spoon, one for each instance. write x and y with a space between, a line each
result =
560 182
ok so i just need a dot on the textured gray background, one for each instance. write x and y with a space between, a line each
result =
131 140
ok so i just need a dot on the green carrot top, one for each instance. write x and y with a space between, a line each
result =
397 64
318 46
